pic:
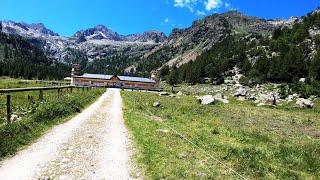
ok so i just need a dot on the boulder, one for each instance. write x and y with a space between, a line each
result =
156 104
221 98
271 99
14 118
179 93
164 94
241 92
290 98
206 100
252 97
304 103
302 80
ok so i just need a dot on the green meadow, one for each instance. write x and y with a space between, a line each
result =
182 139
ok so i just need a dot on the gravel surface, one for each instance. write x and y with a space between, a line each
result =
93 145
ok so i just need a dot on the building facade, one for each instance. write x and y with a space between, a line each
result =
126 82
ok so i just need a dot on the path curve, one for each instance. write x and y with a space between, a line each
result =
92 145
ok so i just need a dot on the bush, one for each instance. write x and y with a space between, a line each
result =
244 81
284 91
307 89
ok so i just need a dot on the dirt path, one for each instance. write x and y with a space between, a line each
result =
93 145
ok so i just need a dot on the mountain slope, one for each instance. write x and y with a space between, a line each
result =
19 58
184 45
290 54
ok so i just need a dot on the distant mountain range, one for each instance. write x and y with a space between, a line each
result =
96 42
151 49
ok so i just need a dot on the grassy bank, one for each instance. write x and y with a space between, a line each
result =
185 140
36 118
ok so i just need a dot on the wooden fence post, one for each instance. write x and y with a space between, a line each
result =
41 95
8 108
71 89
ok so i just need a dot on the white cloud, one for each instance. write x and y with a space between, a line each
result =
189 4
200 13
201 5
212 4
166 20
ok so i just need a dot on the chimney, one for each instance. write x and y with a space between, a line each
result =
74 72
155 76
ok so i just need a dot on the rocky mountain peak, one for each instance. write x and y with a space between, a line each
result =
98 32
148 36
40 27
25 29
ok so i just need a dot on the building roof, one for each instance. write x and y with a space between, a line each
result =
122 78
96 76
135 79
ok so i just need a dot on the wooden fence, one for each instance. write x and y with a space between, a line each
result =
40 89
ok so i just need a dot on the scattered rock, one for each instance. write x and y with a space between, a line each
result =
290 98
252 97
304 103
206 100
15 118
179 93
271 99
241 92
156 104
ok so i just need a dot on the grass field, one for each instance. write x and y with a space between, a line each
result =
34 118
6 83
185 140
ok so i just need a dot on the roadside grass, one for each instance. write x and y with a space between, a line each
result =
38 117
229 141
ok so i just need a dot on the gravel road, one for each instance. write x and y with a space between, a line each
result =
93 145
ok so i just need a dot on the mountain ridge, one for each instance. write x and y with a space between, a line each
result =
151 49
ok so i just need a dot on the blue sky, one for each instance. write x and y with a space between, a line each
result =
135 16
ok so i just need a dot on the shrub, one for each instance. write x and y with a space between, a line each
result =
244 81
284 91
307 89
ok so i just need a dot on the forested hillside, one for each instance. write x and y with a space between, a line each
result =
20 59
291 54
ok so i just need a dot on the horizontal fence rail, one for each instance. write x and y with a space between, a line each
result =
34 89
8 95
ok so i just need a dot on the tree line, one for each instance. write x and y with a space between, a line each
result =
20 59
